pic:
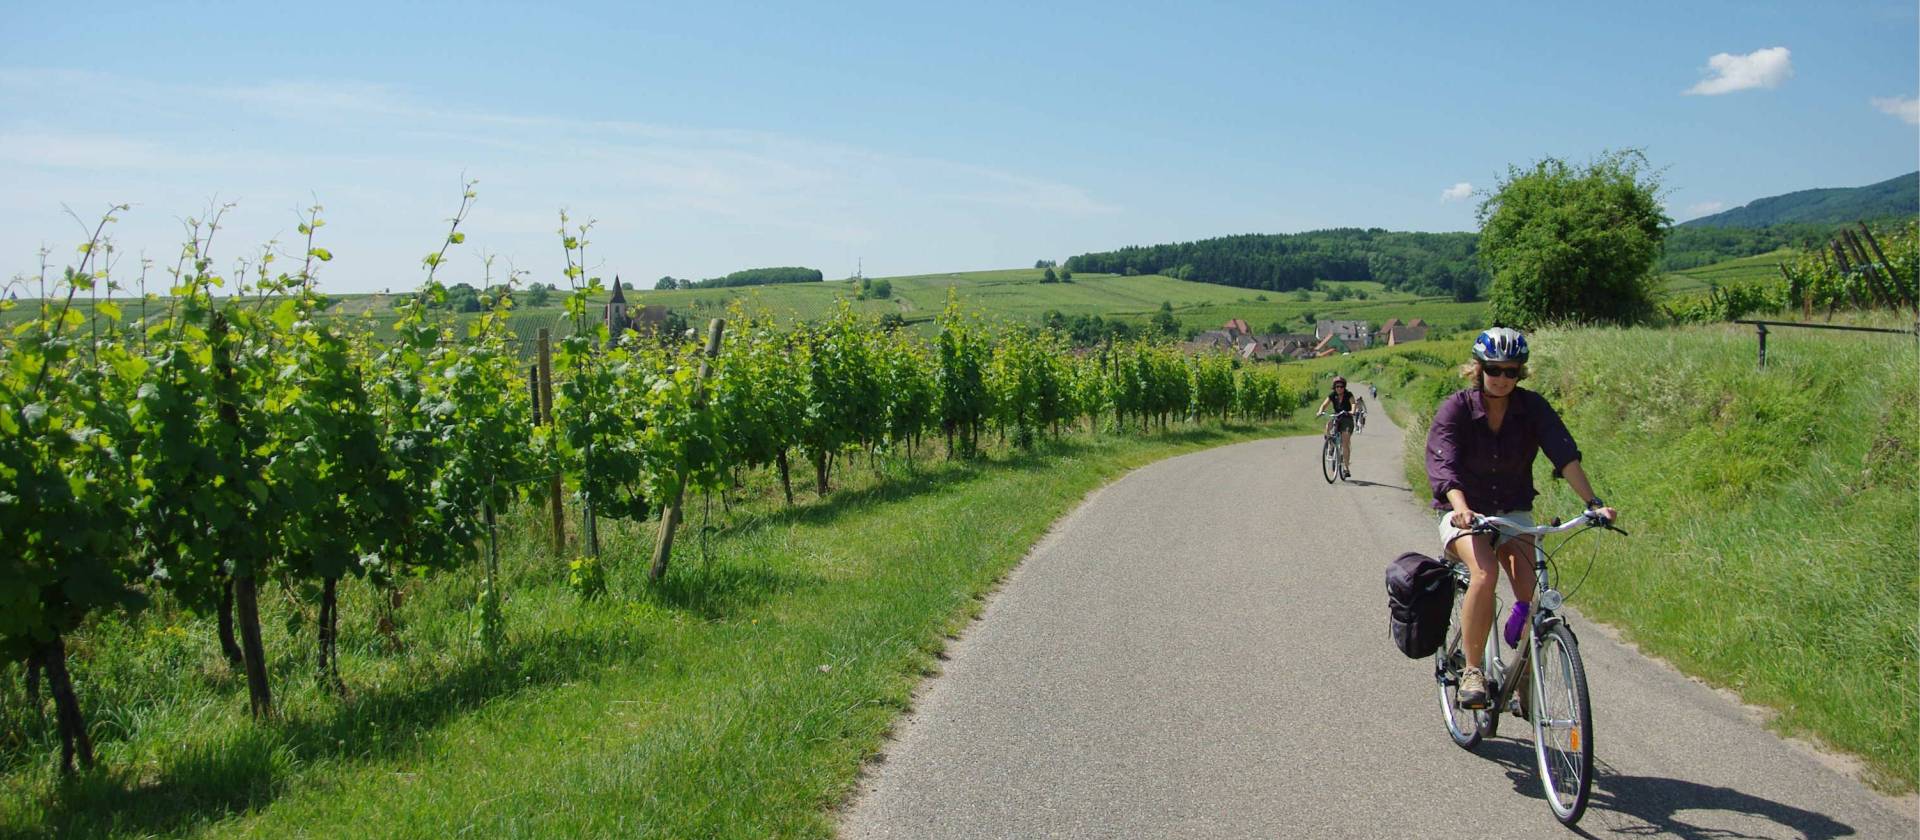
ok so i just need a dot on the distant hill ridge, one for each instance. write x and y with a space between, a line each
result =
1894 197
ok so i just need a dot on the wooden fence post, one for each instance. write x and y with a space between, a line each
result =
670 515
545 406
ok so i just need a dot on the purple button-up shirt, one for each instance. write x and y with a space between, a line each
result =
1494 470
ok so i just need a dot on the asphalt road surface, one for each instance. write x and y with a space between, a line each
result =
1200 650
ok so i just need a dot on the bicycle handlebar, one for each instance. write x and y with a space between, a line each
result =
1493 524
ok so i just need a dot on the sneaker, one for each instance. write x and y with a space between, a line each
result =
1472 692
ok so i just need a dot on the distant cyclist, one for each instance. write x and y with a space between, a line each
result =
1480 453
1341 401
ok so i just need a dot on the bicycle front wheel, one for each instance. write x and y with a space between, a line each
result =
1562 724
1330 459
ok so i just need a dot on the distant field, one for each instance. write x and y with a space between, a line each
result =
1017 295
1014 295
1743 269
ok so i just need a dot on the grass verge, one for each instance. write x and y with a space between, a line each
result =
736 700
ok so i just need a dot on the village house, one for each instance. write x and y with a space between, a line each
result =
1397 333
1214 340
1332 344
1353 334
1285 345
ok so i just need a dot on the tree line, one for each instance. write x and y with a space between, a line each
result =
748 277
1422 263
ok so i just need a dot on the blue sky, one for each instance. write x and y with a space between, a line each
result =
711 137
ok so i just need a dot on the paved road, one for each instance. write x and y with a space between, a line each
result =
1200 651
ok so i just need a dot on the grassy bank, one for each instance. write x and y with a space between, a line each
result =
1774 514
736 700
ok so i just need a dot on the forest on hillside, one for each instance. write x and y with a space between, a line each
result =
1894 198
1422 263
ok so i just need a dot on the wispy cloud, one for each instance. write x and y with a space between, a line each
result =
679 200
1906 108
1705 207
1727 72
1458 192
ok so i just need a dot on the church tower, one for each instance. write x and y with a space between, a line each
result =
616 311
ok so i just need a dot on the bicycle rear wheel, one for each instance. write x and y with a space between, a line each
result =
1562 724
1464 726
1330 459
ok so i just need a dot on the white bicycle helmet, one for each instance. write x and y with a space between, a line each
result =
1500 344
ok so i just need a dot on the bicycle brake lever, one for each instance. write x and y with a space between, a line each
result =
1619 531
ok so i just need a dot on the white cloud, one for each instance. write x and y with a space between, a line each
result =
1705 207
1758 69
1458 192
1906 108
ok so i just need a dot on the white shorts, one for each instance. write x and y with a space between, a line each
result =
1448 532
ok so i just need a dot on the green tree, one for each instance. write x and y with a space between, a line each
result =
1049 277
1573 243
1163 321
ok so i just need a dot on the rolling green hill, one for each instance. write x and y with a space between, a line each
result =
1758 267
1895 197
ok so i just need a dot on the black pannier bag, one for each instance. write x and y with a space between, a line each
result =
1419 603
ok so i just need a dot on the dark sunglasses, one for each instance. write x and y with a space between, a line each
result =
1502 372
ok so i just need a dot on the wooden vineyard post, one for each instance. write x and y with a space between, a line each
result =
545 413
670 515
1902 294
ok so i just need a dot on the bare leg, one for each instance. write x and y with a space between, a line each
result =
1346 448
1476 613
1517 556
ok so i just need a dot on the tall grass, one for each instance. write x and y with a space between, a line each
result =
1775 516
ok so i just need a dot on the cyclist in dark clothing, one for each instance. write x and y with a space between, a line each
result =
1480 452
1340 401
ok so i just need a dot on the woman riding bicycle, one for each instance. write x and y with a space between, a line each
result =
1341 401
1480 453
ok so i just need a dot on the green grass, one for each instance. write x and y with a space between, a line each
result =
1761 267
739 699
1773 513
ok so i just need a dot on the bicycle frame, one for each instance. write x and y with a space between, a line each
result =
1547 602
1333 423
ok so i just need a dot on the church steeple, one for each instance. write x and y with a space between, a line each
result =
616 311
